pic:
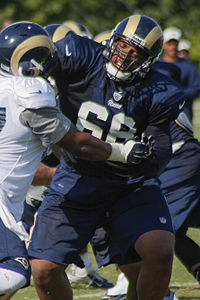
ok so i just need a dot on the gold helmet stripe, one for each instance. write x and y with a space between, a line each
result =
131 25
73 26
25 46
60 33
103 37
152 37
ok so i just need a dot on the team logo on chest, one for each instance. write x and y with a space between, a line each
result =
117 96
112 103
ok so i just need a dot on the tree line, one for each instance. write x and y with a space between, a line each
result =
101 15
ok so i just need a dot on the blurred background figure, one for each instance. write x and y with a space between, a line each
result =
78 28
189 75
184 49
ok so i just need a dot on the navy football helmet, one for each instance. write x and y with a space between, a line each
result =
25 49
78 28
103 37
140 32
57 31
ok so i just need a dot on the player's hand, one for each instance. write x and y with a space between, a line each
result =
139 150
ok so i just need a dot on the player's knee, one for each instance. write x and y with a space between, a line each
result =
11 281
159 252
45 272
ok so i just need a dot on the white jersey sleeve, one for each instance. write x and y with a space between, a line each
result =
37 97
21 146
32 92
48 123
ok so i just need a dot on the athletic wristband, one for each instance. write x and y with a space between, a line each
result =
120 152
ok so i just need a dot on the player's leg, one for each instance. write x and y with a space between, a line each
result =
131 271
147 223
187 250
14 264
60 243
156 265
149 279
7 296
63 227
50 280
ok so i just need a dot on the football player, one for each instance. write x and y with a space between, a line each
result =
181 187
189 77
29 123
112 93
87 275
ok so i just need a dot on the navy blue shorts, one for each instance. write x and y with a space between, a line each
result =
13 253
76 205
107 253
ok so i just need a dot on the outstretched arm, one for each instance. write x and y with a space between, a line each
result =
52 127
84 145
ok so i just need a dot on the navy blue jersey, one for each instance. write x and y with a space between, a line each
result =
109 111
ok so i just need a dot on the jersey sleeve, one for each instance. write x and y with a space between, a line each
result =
48 123
33 93
76 55
166 106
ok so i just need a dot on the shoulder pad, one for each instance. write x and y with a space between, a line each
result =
32 92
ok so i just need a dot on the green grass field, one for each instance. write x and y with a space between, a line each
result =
182 282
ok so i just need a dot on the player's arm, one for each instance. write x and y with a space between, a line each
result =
52 127
84 145
43 175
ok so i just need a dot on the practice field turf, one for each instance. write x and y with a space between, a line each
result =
182 282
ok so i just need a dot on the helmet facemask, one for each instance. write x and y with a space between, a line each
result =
135 44
123 65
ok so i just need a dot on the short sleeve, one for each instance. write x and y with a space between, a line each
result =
167 107
32 92
48 123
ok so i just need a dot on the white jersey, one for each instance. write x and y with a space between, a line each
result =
20 148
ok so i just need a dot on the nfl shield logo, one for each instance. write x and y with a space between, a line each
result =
163 220
117 96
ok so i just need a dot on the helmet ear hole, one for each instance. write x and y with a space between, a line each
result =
28 69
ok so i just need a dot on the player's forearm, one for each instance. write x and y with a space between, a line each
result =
85 146
43 175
